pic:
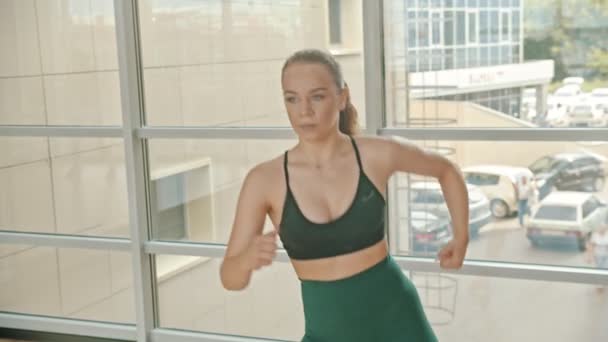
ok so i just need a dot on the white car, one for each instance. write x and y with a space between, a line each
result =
599 100
427 196
573 80
499 184
560 103
584 114
566 216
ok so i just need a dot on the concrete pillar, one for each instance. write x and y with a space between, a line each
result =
542 91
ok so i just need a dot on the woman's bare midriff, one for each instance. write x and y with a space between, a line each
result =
341 266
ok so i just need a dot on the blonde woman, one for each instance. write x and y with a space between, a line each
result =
326 198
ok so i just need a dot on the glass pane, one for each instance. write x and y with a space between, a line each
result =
472 27
472 58
423 28
461 27
59 186
65 282
550 229
58 63
494 26
515 25
448 28
484 27
454 301
192 298
218 63
194 191
505 26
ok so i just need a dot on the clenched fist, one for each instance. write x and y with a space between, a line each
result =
261 251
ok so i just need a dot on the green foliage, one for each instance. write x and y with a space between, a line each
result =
598 60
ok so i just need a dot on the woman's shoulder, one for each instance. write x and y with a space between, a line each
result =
372 142
379 147
266 172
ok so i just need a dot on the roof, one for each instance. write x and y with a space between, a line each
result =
423 215
426 185
570 156
599 91
506 170
435 186
566 197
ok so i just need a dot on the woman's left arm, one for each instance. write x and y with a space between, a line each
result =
404 156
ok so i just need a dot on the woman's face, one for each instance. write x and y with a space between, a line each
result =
312 100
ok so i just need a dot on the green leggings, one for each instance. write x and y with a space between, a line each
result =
378 304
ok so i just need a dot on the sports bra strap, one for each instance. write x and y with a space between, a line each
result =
356 153
286 173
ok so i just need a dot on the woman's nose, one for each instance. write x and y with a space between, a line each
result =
306 108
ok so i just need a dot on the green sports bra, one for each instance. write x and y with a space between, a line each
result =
361 226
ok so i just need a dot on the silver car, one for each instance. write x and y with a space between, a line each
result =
427 196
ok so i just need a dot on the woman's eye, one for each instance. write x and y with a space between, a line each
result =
317 97
290 99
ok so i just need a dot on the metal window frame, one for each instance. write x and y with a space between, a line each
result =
136 158
68 326
135 135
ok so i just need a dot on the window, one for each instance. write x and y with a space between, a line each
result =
461 27
494 26
515 26
335 22
436 27
589 206
423 28
482 179
556 212
484 27
505 24
448 28
472 57
472 26
412 40
428 196
461 56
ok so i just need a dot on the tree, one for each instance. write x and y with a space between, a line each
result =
598 61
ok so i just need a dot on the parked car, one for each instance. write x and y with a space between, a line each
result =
427 196
566 216
585 113
568 171
560 103
499 184
599 100
428 232
573 80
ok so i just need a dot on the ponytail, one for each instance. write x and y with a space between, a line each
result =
348 117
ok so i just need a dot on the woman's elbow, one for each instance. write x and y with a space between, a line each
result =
229 283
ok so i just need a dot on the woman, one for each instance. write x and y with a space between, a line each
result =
326 196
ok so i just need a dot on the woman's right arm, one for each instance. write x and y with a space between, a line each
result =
248 249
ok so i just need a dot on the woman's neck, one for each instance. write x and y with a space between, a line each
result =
322 152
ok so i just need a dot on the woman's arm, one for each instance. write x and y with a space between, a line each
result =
247 248
405 156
